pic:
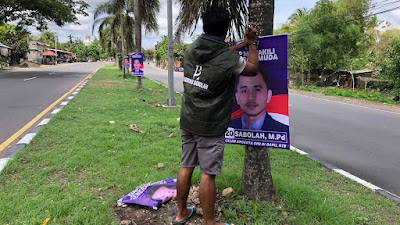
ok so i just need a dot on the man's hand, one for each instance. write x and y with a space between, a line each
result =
250 37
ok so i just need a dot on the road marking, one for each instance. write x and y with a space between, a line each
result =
349 175
3 163
44 122
27 138
38 117
55 111
29 78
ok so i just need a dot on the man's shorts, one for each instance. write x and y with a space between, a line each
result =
208 152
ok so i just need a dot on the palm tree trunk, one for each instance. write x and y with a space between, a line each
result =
121 31
257 183
138 34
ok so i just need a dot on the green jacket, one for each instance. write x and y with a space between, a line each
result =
208 87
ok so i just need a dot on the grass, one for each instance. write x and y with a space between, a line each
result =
369 95
80 164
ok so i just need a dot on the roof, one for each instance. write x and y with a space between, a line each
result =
49 53
62 51
39 43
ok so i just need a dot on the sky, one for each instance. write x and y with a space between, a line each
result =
283 9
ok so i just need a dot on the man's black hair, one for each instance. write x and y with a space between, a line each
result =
216 21
265 75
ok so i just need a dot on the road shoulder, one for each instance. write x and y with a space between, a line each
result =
351 101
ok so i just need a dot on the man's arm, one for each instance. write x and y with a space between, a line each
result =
250 39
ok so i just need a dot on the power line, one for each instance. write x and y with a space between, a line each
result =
349 21
382 4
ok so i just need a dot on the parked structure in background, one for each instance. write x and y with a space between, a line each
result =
4 55
63 56
36 49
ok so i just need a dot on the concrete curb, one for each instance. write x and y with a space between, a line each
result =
374 188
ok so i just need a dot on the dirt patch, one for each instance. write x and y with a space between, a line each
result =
352 101
140 215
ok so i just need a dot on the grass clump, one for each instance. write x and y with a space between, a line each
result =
80 164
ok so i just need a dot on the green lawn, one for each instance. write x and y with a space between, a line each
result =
80 164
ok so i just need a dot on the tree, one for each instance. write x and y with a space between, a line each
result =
145 12
257 183
29 12
190 13
48 37
14 37
118 15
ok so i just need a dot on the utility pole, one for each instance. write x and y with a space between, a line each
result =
55 46
171 99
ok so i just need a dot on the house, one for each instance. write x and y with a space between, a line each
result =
36 49
63 56
4 53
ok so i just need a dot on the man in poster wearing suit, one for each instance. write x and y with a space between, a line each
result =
252 95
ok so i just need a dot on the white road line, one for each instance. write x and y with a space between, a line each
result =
342 172
29 78
43 122
70 97
27 138
55 111
64 103
3 163
357 179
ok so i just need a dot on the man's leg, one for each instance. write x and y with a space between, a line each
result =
183 186
207 198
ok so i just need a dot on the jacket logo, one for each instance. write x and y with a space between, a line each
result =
197 73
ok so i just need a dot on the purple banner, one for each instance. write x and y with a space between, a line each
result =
260 113
137 64
126 57
152 195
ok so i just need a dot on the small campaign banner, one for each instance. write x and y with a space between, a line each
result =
126 57
260 113
137 64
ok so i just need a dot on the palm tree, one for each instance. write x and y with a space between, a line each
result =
257 180
256 176
190 13
297 15
145 12
118 15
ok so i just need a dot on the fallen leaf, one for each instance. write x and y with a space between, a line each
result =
136 129
241 215
45 221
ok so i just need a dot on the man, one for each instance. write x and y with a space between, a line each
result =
136 66
210 69
252 95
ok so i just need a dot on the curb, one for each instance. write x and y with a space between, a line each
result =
9 154
366 184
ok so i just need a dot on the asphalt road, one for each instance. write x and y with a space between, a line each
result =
25 93
362 141
161 76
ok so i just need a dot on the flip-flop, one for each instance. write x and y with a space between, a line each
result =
174 222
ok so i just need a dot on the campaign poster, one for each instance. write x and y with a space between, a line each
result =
137 64
126 57
260 113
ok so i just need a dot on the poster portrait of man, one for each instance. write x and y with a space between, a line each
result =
260 113
137 64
